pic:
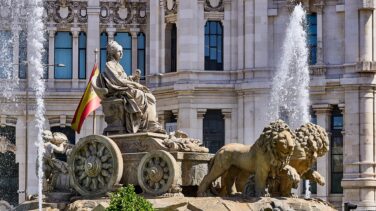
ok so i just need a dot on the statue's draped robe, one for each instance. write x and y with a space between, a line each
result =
137 116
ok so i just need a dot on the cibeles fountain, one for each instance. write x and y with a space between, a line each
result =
174 171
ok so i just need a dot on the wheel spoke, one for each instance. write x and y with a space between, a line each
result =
94 182
87 182
101 180
105 173
83 176
106 166
100 150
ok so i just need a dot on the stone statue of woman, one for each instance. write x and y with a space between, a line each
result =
137 111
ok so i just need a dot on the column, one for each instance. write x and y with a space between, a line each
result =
365 34
351 32
134 32
200 123
75 32
187 115
153 36
21 157
93 33
16 52
249 32
240 22
51 55
187 37
261 34
227 116
201 35
226 36
241 117
320 49
323 113
162 31
110 33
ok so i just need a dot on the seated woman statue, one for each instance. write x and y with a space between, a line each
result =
137 111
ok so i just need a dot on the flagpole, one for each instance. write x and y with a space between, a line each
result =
94 116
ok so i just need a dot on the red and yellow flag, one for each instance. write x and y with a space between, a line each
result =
88 103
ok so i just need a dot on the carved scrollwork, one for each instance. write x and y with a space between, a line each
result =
214 6
64 12
123 13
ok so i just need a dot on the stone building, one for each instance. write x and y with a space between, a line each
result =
210 65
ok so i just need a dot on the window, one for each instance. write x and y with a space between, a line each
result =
103 59
213 45
336 150
312 37
213 130
82 55
141 53
6 55
125 40
173 48
63 55
22 59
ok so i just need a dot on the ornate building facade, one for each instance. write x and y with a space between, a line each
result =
210 65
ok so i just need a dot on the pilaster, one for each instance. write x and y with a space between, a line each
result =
323 113
75 32
134 32
227 36
200 123
249 31
110 33
93 33
227 116
51 55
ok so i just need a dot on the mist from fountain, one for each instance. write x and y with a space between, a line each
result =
24 15
289 93
35 41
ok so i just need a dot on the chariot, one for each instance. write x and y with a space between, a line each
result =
99 164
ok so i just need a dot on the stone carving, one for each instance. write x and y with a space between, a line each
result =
129 107
179 141
66 13
123 13
214 6
269 155
5 206
6 145
55 170
311 142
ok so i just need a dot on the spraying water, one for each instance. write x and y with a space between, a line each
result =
35 40
289 94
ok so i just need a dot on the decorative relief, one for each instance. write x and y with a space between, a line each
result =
65 12
171 7
123 13
214 6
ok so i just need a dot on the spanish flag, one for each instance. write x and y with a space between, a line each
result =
88 103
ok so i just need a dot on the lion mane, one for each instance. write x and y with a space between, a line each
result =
268 140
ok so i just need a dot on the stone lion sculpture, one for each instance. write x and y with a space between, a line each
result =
311 142
270 153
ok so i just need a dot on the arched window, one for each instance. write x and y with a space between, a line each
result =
312 37
63 55
82 55
6 55
125 40
336 150
103 59
213 45
22 59
141 53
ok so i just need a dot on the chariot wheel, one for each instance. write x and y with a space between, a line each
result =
157 172
95 165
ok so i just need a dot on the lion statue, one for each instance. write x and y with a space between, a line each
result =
270 153
311 142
